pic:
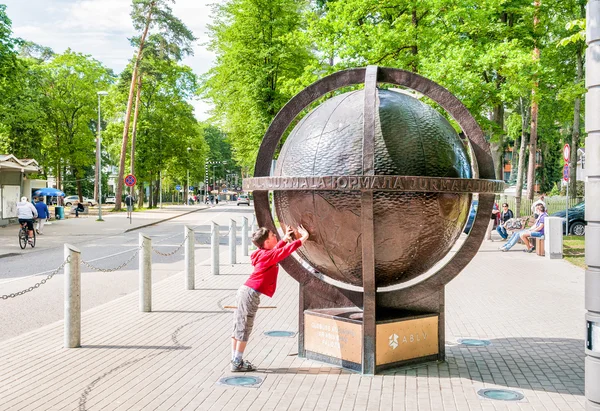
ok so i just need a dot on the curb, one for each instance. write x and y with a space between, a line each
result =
162 221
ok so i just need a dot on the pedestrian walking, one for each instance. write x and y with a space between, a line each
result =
129 204
43 215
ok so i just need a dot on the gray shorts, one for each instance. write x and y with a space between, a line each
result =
247 301
129 209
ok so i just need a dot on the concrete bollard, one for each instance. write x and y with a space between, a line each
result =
190 264
232 241
254 228
72 297
145 273
245 236
553 237
214 248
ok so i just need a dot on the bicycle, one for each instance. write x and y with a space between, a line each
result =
24 237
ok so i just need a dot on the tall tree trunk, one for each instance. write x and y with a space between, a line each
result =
521 167
135 120
576 128
119 192
140 194
497 144
534 113
414 49
151 193
514 160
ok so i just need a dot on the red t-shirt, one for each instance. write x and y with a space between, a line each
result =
264 277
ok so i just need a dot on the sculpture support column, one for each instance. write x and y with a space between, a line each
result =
592 211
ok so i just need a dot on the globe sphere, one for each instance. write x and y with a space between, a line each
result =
412 230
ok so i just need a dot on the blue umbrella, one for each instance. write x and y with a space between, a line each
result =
51 192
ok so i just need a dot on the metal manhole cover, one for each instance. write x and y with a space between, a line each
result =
241 381
501 395
474 342
288 334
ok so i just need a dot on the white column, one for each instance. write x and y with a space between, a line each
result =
72 297
245 236
592 211
553 238
190 265
145 273
214 247
232 241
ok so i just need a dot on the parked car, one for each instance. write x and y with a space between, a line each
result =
577 221
243 199
471 218
71 200
110 200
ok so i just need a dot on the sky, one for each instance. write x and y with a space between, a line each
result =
101 28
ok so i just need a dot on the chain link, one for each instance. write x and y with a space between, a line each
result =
36 285
109 270
172 252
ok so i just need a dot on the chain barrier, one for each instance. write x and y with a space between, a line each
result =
109 270
172 252
52 274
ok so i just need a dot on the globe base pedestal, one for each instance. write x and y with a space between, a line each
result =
337 336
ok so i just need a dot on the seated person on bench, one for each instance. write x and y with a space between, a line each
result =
537 230
79 209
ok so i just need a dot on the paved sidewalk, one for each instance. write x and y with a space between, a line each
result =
73 230
530 308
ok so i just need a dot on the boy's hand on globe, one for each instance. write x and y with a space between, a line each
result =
289 233
304 234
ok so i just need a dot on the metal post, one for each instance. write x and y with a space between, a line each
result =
145 273
214 247
72 297
160 189
567 211
245 236
190 274
232 241
592 211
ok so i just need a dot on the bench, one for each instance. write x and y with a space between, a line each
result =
539 246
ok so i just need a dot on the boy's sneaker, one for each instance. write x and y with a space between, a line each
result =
242 366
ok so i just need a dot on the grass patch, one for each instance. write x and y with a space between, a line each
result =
574 250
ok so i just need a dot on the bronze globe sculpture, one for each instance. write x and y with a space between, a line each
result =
413 230
383 184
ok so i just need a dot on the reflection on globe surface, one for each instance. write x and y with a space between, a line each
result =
412 231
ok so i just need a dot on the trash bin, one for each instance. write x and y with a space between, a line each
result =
59 213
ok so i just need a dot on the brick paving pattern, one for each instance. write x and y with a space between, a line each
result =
529 308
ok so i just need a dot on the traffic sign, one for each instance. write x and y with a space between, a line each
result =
566 153
130 180
191 187
566 172
178 187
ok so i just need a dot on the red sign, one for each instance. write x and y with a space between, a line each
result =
130 180
566 153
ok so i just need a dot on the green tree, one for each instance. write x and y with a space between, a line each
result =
261 52
147 15
69 84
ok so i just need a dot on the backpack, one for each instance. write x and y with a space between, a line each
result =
513 224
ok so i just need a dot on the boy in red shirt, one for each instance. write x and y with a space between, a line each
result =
263 280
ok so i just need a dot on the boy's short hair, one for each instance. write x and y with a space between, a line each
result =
541 207
260 236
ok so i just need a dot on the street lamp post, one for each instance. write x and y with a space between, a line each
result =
187 194
99 157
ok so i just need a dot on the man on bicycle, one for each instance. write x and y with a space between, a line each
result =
26 212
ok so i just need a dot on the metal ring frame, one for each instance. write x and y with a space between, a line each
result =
482 164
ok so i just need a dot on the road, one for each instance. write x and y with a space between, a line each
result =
44 305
